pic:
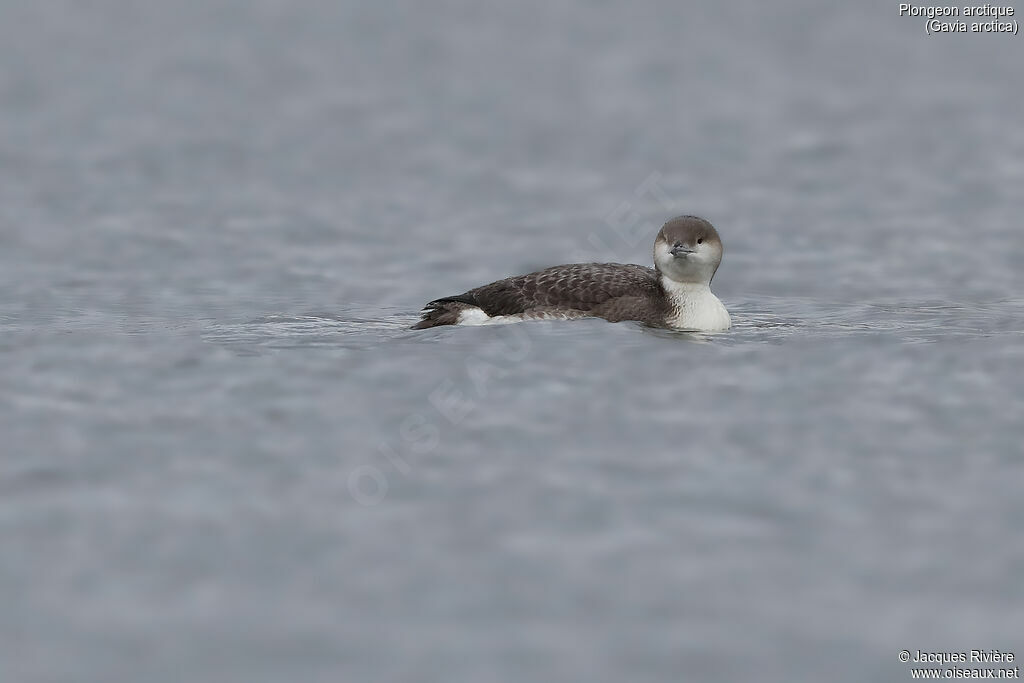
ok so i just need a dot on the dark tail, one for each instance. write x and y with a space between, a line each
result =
444 311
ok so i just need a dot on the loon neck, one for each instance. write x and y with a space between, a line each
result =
684 290
692 306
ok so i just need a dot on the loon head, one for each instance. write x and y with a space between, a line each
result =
688 249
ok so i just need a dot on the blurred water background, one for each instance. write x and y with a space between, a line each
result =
226 458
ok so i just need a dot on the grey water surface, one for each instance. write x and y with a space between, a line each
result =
225 457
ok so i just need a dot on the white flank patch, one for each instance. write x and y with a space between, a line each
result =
476 316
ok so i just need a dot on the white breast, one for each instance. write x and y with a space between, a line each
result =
695 307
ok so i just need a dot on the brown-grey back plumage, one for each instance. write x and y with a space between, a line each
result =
614 291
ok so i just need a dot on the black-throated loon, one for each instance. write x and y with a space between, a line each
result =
676 293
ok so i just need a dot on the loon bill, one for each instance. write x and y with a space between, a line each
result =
676 293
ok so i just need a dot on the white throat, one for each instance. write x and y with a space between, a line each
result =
694 306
